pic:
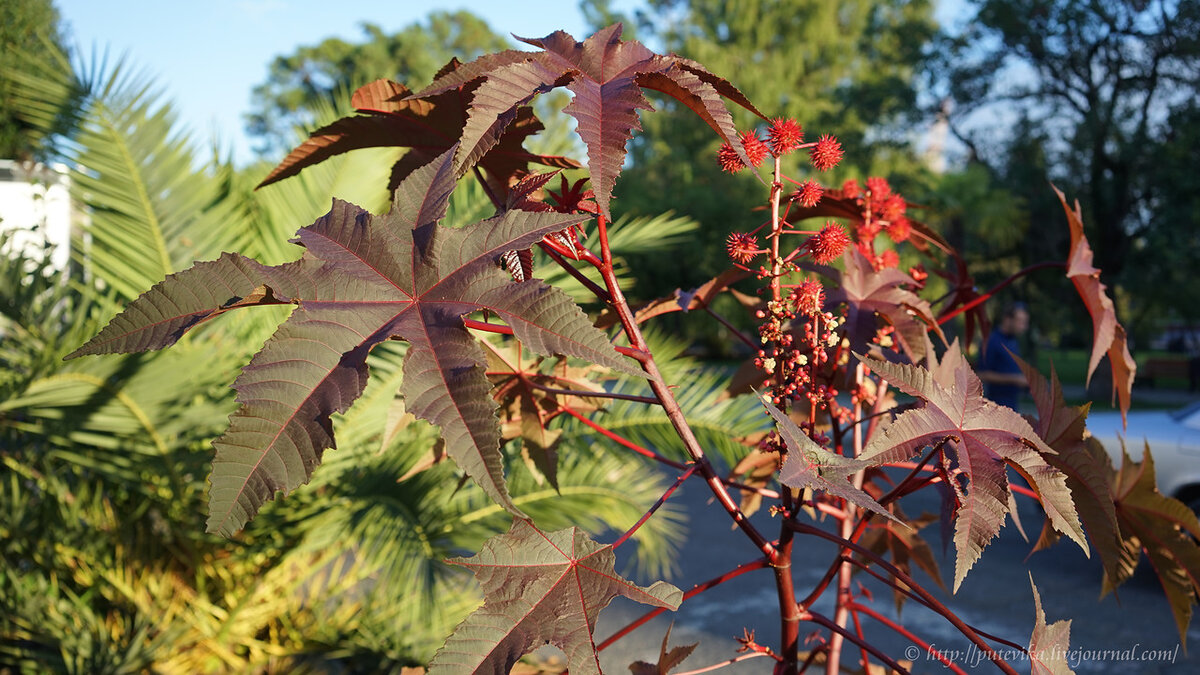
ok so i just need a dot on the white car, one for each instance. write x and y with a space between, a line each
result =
1174 439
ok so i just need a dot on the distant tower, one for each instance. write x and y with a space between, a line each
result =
935 150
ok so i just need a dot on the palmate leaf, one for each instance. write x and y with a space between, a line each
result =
1049 644
363 279
1165 529
540 588
985 437
606 77
1108 336
867 293
428 126
809 465
1087 468
668 658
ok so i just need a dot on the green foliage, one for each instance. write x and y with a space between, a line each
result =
29 32
1084 92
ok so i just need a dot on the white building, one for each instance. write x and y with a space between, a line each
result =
35 201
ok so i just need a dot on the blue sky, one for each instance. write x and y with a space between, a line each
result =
208 56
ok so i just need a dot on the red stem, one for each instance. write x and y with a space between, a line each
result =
670 406
984 298
557 257
928 599
928 648
661 500
738 571
879 654
645 452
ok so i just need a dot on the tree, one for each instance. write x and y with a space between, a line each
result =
28 30
315 72
1096 80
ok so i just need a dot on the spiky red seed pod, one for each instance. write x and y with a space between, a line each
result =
755 149
826 153
729 160
784 136
742 247
809 297
867 231
828 244
851 190
879 188
893 207
809 193
889 258
899 229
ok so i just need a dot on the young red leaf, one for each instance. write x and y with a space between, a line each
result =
606 76
983 438
364 279
1108 336
868 293
1165 529
428 126
809 465
667 658
540 588
1048 645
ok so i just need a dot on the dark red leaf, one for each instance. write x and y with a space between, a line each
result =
364 279
540 587
983 438
606 76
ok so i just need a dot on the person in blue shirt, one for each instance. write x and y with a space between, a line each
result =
1002 378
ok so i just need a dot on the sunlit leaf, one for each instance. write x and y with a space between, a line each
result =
364 279
540 588
606 76
983 438
1108 336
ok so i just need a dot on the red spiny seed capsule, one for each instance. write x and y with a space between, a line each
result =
899 229
893 207
755 149
784 135
826 153
867 231
809 296
879 188
828 244
809 193
889 258
851 190
742 247
729 160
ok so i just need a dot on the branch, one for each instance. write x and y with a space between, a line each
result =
661 500
910 636
928 598
738 571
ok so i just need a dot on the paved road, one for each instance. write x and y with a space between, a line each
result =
995 597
